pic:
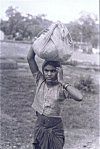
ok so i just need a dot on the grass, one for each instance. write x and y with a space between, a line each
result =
17 91
81 119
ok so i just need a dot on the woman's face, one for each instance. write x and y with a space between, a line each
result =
50 73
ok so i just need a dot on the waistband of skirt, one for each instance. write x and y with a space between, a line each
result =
51 117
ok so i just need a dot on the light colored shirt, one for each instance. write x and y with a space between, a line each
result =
47 101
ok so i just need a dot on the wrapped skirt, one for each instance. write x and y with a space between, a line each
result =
48 133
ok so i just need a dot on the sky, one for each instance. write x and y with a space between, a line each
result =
62 10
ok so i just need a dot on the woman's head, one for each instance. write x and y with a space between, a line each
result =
50 72
52 63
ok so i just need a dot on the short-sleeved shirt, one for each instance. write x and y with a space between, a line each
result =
47 101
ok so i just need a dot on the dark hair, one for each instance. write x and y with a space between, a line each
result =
52 63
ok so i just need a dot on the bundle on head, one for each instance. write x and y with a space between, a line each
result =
55 44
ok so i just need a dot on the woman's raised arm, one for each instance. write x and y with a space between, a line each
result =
74 92
31 60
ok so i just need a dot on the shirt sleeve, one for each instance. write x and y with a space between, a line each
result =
38 77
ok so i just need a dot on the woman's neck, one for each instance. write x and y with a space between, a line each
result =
51 84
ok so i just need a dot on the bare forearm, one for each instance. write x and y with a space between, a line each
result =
75 93
31 60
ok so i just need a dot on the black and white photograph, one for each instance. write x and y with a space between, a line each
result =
49 74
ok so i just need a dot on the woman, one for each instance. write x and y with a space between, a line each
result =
49 132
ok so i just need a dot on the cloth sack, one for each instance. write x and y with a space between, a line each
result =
54 44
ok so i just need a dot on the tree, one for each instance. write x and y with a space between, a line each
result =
88 26
4 26
15 19
85 29
75 30
26 26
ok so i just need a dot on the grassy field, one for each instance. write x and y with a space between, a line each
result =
9 49
81 119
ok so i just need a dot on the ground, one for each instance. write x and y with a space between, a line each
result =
81 119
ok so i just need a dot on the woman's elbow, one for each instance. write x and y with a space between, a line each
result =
79 97
30 55
28 58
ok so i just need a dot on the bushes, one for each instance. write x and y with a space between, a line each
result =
87 84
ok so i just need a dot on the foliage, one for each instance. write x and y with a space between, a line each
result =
84 29
87 84
75 30
4 26
25 26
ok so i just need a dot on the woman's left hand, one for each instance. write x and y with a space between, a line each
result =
60 74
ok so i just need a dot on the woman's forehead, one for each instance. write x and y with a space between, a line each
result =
49 67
